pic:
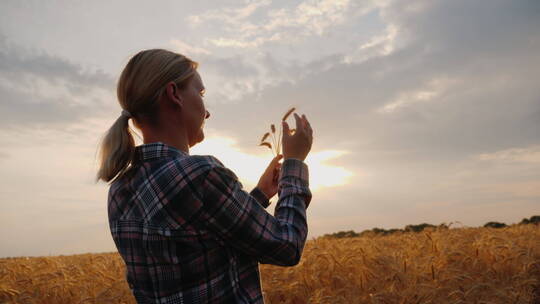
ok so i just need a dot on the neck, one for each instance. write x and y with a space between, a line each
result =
176 139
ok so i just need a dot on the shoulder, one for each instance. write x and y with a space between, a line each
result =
197 164
207 173
213 167
203 161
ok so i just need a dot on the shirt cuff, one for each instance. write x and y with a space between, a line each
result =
294 180
296 168
260 196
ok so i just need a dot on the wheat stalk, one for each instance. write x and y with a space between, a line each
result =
276 141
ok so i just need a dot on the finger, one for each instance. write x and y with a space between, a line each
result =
308 125
285 128
277 158
299 123
309 130
275 177
304 120
274 163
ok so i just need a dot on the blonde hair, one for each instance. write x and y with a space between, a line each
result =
141 84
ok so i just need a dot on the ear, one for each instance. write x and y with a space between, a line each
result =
174 95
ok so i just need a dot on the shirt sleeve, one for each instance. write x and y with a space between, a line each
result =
235 216
260 196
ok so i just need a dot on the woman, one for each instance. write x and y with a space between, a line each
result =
185 228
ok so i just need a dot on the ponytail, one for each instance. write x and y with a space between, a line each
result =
117 149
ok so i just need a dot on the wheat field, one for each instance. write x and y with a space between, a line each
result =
457 265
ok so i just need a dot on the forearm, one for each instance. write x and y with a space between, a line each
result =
260 196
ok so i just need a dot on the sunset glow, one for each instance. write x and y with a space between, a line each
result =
249 168
323 175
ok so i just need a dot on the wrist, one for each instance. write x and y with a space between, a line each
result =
293 157
296 168
261 189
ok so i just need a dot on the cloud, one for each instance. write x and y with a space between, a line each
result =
235 42
229 15
446 91
285 24
379 45
42 89
247 43
231 79
313 16
435 88
526 155
228 79
188 49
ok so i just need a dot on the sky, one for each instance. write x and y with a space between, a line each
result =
422 111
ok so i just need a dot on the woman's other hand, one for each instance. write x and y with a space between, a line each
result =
297 145
268 183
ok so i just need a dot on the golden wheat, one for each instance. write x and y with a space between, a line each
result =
458 265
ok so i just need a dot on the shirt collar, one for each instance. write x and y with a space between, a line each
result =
157 150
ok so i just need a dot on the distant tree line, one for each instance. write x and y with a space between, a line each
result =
418 228
533 220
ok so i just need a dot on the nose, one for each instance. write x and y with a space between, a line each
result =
207 115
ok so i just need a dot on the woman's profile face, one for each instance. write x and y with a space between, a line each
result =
195 113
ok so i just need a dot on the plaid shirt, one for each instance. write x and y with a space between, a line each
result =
189 233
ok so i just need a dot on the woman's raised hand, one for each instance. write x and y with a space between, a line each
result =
297 145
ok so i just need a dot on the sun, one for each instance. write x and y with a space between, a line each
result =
249 167
323 175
